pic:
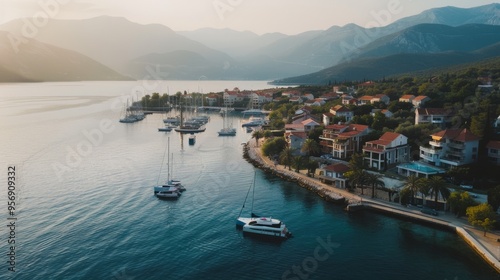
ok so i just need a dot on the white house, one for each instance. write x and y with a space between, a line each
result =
407 98
389 149
334 174
420 100
343 140
437 116
450 148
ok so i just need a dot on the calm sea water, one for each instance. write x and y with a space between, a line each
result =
86 208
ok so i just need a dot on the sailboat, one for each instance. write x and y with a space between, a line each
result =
226 130
168 190
261 226
189 128
176 183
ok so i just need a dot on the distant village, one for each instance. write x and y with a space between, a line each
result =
398 133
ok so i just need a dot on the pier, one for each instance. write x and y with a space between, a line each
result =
488 247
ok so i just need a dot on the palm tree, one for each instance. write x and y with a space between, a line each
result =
311 167
413 185
357 178
438 185
286 157
423 189
375 180
356 162
297 161
257 134
310 147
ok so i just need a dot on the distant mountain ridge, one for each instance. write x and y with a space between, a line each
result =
135 50
33 61
375 68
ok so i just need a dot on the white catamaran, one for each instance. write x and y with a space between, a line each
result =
261 226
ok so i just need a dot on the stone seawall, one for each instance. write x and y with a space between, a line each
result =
484 249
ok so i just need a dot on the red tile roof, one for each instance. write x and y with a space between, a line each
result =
420 98
337 168
433 111
407 96
493 145
389 136
462 135
340 108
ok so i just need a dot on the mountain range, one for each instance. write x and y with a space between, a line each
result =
115 48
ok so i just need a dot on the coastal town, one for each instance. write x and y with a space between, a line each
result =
412 151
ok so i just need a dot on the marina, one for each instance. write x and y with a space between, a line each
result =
115 214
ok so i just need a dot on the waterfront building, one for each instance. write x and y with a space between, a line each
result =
391 148
450 148
334 174
343 140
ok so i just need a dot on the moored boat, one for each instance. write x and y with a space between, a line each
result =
169 192
265 227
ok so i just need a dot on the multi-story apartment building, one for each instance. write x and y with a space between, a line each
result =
342 140
390 148
451 147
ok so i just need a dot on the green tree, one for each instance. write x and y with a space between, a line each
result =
412 184
357 178
273 146
297 162
286 157
458 174
437 186
405 196
494 197
257 134
316 133
374 180
481 215
459 202
312 165
310 147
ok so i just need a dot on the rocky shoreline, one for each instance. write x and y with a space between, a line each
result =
484 249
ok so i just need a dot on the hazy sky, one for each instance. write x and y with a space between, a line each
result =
259 16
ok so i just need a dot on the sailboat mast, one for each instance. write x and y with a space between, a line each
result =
168 155
253 191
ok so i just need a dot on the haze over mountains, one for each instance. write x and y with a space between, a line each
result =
115 48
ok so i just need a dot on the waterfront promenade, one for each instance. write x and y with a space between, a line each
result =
487 246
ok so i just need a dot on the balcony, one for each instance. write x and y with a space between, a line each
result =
427 158
436 144
457 145
455 153
430 151
493 155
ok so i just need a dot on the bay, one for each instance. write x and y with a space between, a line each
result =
86 208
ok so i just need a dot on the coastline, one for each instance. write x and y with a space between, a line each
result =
486 247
